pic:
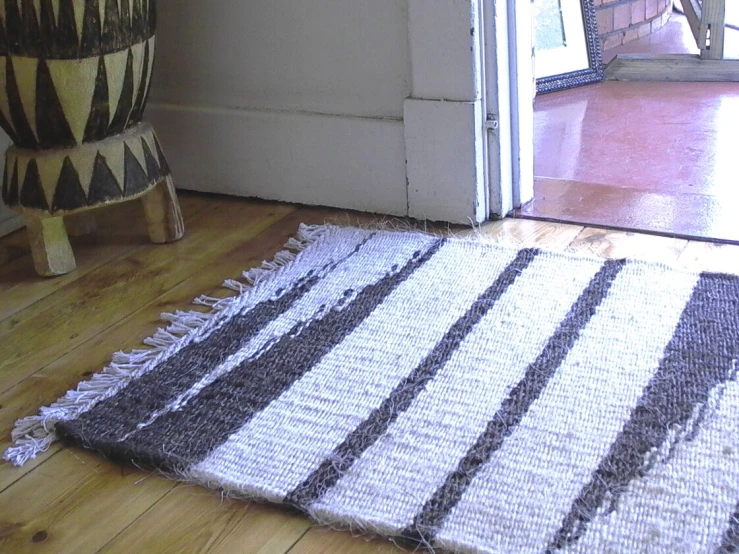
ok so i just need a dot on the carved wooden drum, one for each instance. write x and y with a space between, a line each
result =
74 80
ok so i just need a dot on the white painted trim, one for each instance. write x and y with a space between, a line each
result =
509 96
445 49
444 145
342 161
523 91
10 223
497 106
444 117
378 164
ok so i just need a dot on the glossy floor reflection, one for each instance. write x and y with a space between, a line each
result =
657 137
659 157
692 216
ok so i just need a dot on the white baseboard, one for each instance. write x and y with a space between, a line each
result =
9 221
444 144
349 162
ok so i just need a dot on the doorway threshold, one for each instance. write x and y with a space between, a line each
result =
687 215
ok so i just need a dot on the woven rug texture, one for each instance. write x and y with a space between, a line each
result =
447 393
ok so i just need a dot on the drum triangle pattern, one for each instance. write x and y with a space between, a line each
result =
69 29
48 114
75 77
54 181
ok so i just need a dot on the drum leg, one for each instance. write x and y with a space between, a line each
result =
163 215
52 253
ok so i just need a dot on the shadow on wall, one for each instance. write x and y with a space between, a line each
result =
9 220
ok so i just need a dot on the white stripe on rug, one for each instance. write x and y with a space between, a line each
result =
702 481
326 249
321 409
572 425
384 488
367 266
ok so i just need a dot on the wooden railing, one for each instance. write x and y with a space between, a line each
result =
707 19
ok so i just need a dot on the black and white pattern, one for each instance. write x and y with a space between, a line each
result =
446 393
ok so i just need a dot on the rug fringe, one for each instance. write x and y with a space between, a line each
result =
35 434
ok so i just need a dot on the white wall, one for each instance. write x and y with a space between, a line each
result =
370 105
9 220
325 56
298 100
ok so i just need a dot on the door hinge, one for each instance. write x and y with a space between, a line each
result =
491 122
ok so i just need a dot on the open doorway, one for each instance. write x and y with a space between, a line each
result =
655 157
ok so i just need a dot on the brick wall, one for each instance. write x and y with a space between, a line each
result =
621 21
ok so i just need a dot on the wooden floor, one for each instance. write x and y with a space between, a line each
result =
56 332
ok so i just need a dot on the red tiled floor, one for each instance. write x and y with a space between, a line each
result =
657 157
656 137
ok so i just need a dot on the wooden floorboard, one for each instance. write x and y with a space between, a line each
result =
623 244
192 519
121 230
321 540
75 502
74 314
707 256
79 363
55 333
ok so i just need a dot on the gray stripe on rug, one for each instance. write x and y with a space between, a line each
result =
629 445
365 268
701 356
423 529
530 482
696 480
437 430
322 409
116 417
367 433
730 540
175 442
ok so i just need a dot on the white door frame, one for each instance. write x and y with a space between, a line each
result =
469 120
509 94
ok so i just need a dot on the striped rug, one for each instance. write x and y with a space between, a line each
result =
445 393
